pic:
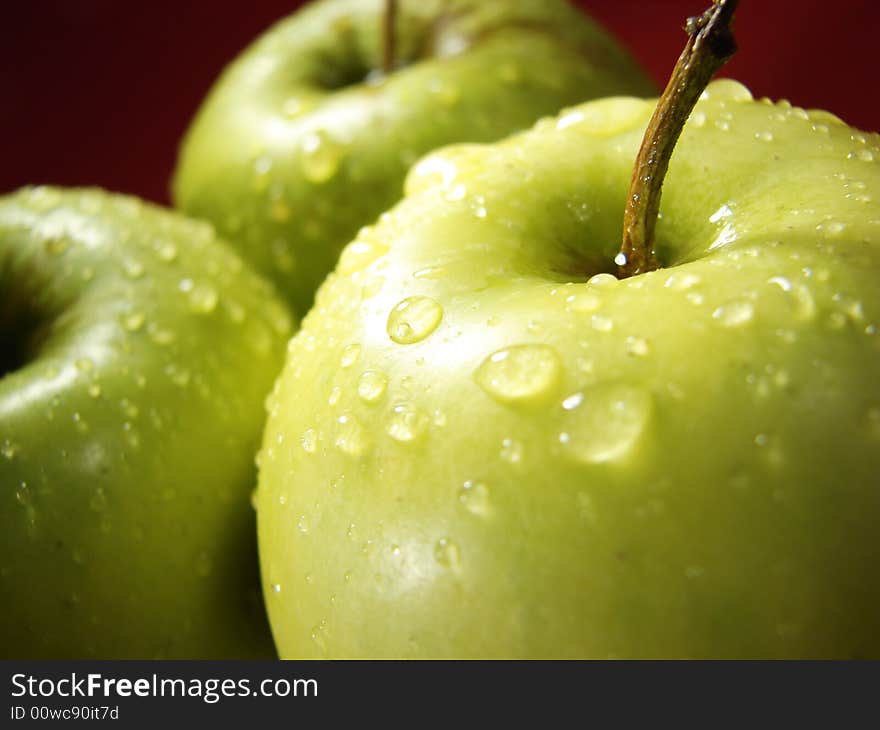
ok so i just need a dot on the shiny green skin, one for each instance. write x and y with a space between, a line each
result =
474 71
128 427
714 493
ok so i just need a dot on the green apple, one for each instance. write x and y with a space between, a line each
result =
485 444
302 141
137 350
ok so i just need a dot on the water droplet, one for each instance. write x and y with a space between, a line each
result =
9 450
132 321
764 136
583 302
681 281
607 424
831 229
603 281
351 437
448 554
407 423
456 192
359 254
302 525
601 323
203 298
133 268
520 374
350 355
511 451
637 346
166 251
335 395
309 441
734 314
444 91
474 496
413 319
372 385
321 157
160 335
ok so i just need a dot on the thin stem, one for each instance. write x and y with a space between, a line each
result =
389 36
710 45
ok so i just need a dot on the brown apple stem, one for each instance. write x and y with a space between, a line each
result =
389 36
710 45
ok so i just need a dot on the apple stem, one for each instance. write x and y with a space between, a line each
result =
710 45
389 37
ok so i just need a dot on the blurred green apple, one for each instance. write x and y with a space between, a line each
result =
137 350
484 444
303 141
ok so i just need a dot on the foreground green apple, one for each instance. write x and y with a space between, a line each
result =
137 350
482 445
302 142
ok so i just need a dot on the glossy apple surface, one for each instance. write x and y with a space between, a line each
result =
301 143
482 445
137 350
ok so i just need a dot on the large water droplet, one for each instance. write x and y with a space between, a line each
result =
359 254
413 319
521 373
606 424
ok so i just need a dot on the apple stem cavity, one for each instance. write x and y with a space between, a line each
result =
389 36
710 45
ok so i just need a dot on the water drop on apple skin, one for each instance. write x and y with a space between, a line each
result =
413 319
734 314
520 374
321 157
372 385
605 423
407 423
448 555
475 498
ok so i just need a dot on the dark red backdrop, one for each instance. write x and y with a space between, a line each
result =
99 92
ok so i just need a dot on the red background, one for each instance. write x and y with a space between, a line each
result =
99 92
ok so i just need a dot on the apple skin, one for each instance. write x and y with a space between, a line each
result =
293 152
532 459
138 349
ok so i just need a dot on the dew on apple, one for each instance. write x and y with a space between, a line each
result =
166 251
737 313
511 451
160 335
520 373
413 319
302 524
407 423
133 268
474 496
448 554
203 298
637 346
372 385
764 136
350 355
9 450
831 228
360 253
321 157
606 424
603 281
456 192
583 302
